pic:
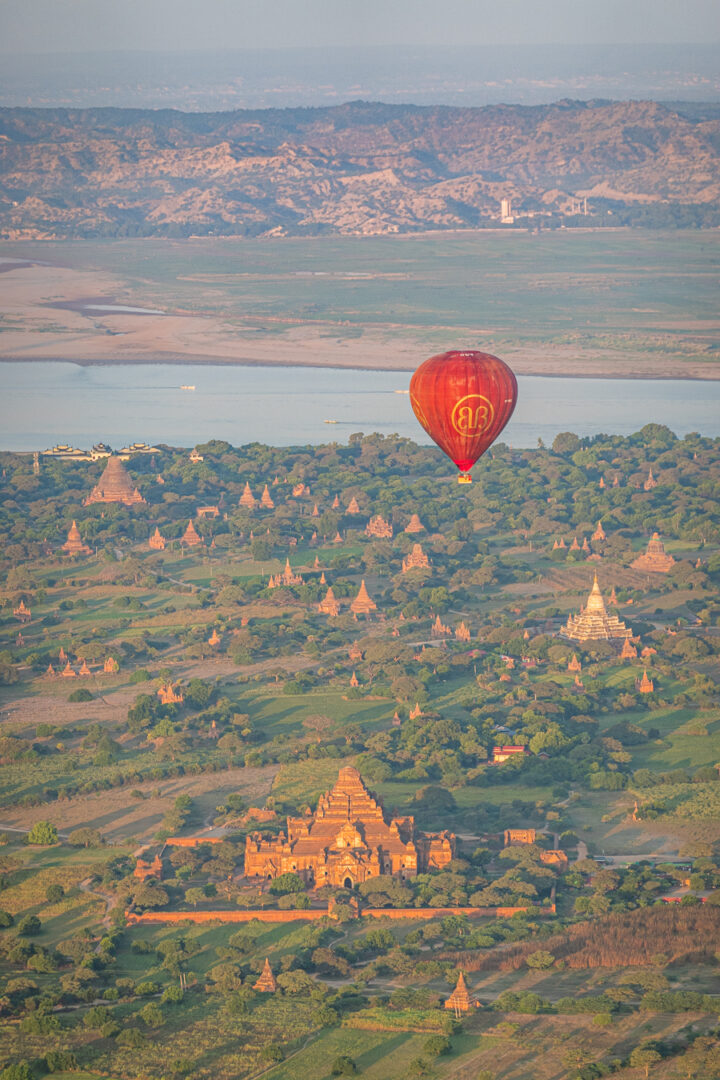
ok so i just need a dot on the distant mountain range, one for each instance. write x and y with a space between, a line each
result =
360 168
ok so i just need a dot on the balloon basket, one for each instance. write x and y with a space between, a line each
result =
464 478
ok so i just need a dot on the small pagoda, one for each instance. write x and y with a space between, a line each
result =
628 652
329 605
74 546
645 685
416 560
315 511
574 665
355 652
115 486
655 560
335 505
214 639
157 540
84 669
354 681
593 623
289 577
22 613
111 666
353 507
50 671
379 528
462 633
266 499
599 534
247 499
613 600
439 629
69 671
363 604
414 525
574 546
460 1000
191 537
415 713
267 983
651 482
195 457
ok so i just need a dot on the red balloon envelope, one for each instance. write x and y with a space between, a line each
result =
463 400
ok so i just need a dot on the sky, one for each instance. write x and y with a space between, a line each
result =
71 26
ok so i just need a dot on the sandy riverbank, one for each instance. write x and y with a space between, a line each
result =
33 330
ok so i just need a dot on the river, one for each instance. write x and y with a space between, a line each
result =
45 403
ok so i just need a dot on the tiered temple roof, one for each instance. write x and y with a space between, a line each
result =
354 681
439 629
84 669
111 666
651 482
214 638
379 528
329 605
599 533
267 983
613 600
414 525
247 499
363 604
335 505
574 664
346 841
655 560
593 623
462 633
74 545
416 560
628 652
115 485
353 507
157 540
190 537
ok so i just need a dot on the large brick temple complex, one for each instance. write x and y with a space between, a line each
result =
346 841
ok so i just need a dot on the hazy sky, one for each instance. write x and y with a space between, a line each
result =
82 25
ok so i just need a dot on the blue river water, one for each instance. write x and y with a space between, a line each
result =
45 403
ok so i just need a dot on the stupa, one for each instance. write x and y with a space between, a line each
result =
414 525
379 528
69 671
247 499
111 666
214 639
651 482
289 577
575 546
462 633
337 538
353 507
363 604
354 680
157 540
439 629
266 984
315 511
115 486
355 652
628 652
415 713
593 623
74 545
329 605
50 671
460 1000
655 560
601 482
613 597
190 537
574 664
335 505
416 560
599 533
84 669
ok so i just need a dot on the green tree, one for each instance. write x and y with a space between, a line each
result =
43 832
643 1057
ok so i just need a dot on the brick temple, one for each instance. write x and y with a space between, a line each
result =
363 604
655 560
115 486
379 528
346 841
74 544
329 605
157 540
416 560
593 623
414 525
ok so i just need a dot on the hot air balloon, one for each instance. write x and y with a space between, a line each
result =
463 399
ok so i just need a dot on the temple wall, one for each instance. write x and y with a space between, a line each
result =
274 916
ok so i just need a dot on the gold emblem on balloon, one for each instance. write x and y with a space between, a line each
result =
472 415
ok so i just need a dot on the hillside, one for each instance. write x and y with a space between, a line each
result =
359 168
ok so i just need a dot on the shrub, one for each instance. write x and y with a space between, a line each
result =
29 926
53 893
81 694
343 1066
